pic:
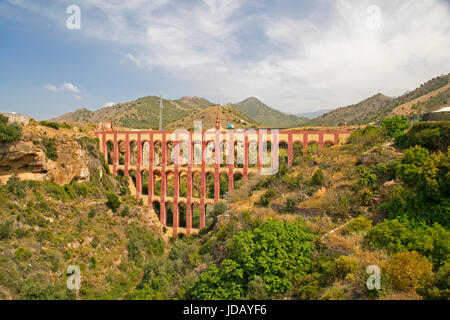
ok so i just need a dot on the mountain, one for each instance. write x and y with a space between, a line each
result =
313 114
353 114
267 116
208 116
427 97
140 113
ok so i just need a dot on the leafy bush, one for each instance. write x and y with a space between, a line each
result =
433 136
394 126
407 271
50 148
359 224
113 201
9 133
344 266
267 196
22 254
318 178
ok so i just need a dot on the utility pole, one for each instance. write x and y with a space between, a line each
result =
160 112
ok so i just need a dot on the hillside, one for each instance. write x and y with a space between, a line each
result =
353 114
139 114
267 116
228 115
427 97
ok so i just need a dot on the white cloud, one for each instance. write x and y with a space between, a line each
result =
133 59
109 104
326 58
66 86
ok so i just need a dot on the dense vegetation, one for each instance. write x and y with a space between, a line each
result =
9 133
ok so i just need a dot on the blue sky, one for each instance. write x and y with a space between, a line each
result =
296 56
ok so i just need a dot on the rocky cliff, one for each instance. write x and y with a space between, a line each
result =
30 158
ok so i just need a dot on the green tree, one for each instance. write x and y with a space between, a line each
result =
113 201
394 126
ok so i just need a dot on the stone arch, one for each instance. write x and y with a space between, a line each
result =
209 214
146 154
223 180
297 153
183 181
144 182
210 153
110 152
252 154
237 179
209 178
169 214
170 160
182 215
312 148
283 152
267 154
133 177
157 183
195 216
156 206
196 184
133 153
157 153
224 150
122 150
170 182
239 154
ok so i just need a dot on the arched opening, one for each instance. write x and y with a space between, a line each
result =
239 154
157 183
146 154
195 216
210 185
184 153
224 150
196 184
133 178
297 153
238 180
223 185
170 154
267 154
183 184
210 154
144 182
157 154
209 214
133 153
253 154
169 214
122 149
182 215
313 148
328 144
169 184
110 152
283 152
197 150
157 209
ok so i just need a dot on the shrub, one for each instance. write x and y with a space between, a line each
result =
359 224
9 133
6 229
257 289
407 271
394 126
318 178
125 212
267 197
113 201
344 266
50 148
431 135
290 204
22 254
334 293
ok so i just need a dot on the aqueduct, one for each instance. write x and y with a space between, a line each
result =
180 191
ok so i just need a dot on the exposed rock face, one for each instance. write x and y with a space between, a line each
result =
27 158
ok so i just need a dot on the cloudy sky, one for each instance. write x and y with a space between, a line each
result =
296 56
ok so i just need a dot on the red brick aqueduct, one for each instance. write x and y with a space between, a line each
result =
144 154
